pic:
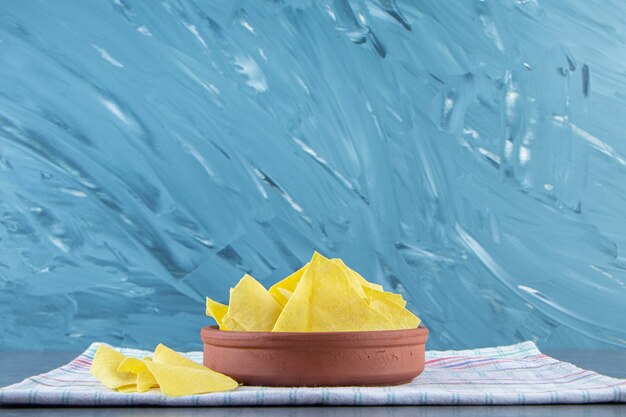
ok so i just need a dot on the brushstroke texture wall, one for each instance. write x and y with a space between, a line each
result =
470 154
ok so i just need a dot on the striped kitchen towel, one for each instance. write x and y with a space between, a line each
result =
516 374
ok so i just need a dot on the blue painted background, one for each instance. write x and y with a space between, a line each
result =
470 154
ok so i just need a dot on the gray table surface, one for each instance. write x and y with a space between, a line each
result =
15 366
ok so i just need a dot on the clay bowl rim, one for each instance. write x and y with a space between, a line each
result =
214 336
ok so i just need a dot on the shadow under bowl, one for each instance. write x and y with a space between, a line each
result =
370 358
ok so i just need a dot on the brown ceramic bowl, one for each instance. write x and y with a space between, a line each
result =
372 358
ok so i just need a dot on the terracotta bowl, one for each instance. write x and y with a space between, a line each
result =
373 358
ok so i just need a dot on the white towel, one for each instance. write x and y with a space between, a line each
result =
516 374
